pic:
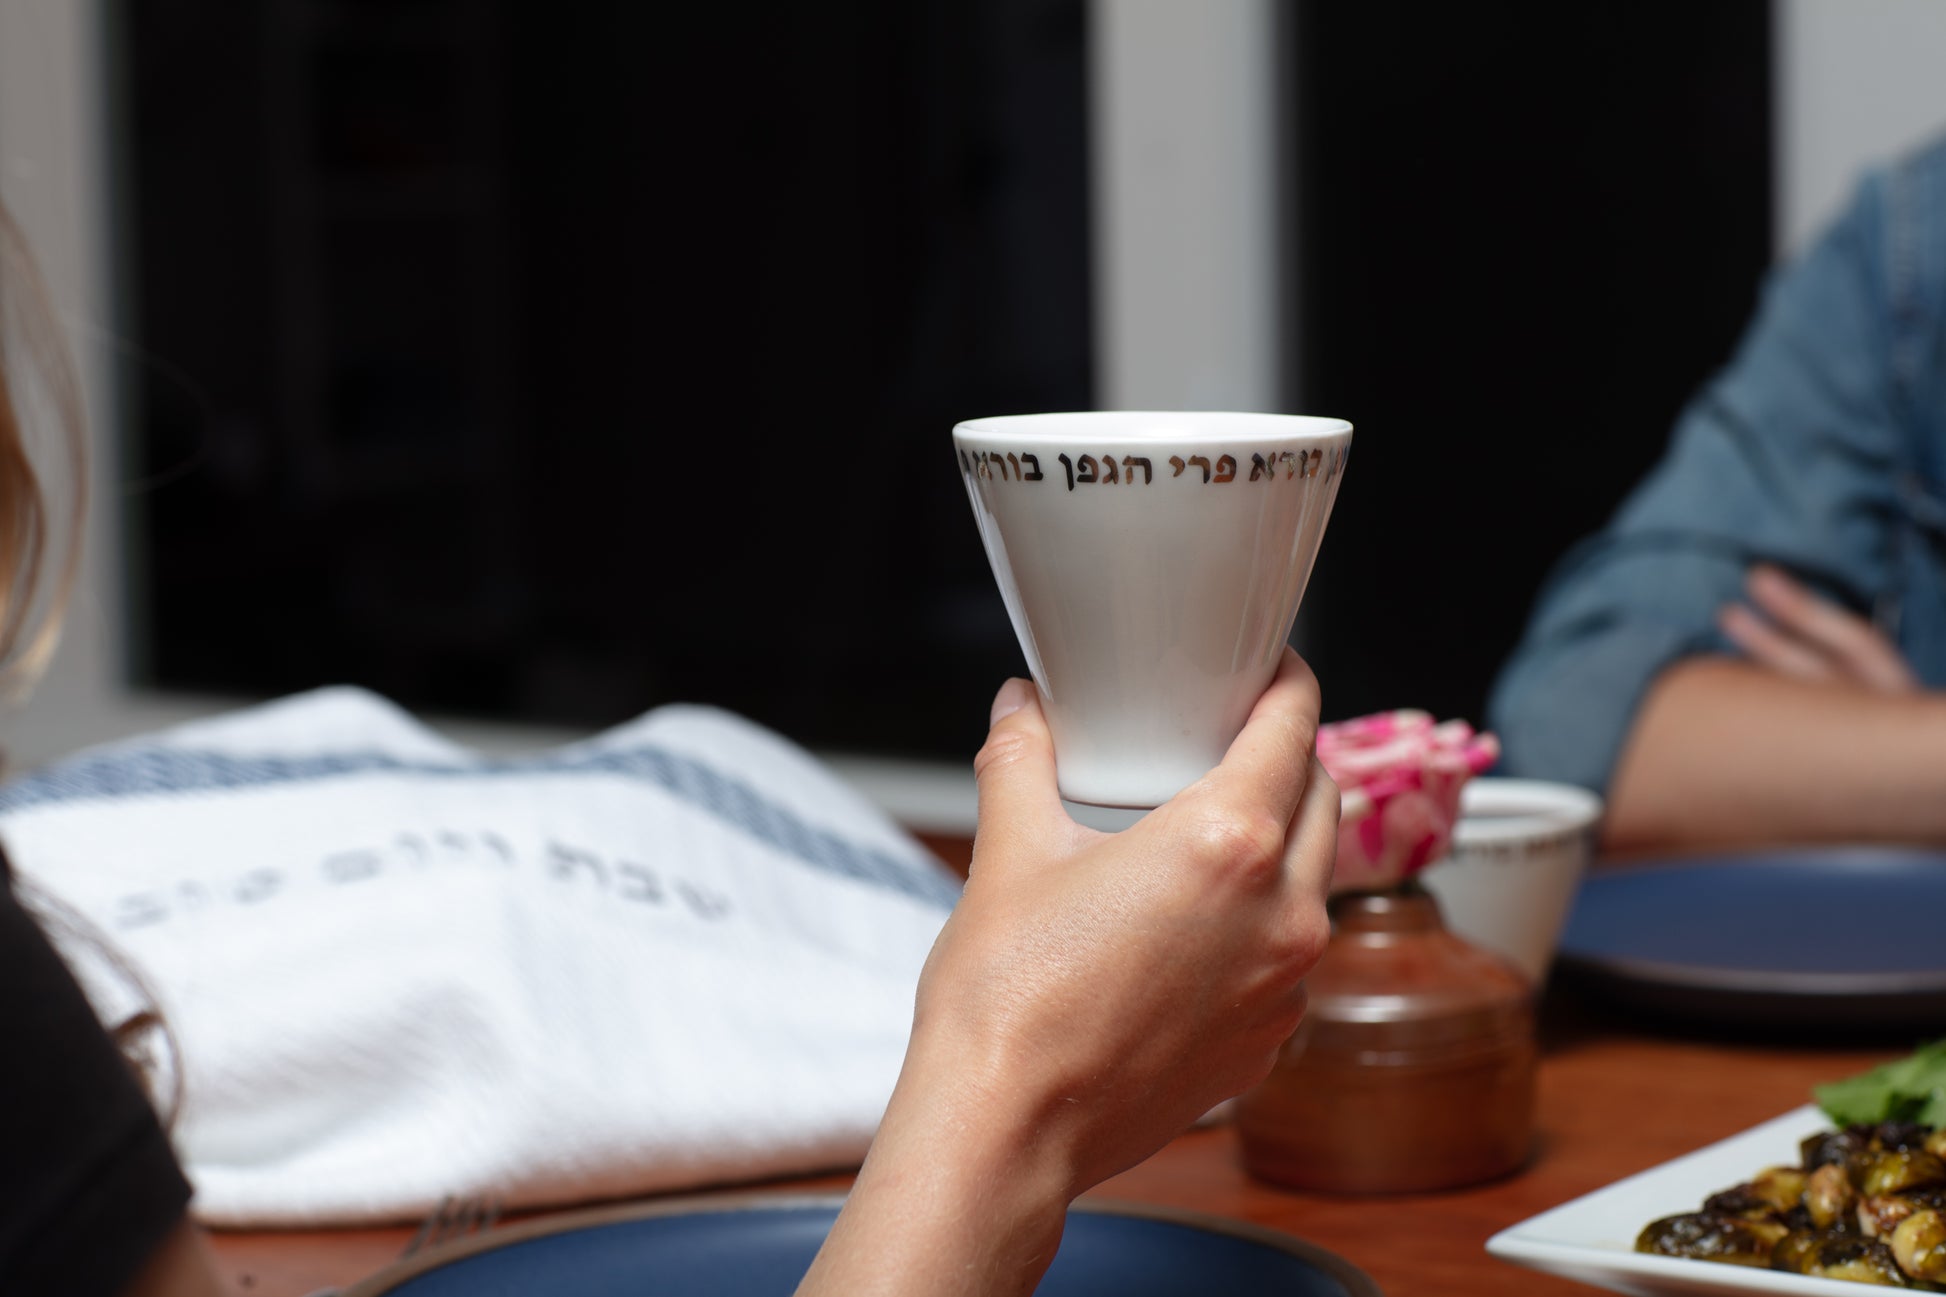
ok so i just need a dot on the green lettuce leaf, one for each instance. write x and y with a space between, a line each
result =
1933 1111
1909 1089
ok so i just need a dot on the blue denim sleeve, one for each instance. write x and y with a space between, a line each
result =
1794 454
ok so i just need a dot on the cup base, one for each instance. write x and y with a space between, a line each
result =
1122 795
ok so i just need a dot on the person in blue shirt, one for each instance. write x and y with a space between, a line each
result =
1752 650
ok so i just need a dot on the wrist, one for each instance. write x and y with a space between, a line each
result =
965 1190
970 1131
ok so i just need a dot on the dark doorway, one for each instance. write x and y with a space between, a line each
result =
1527 233
549 362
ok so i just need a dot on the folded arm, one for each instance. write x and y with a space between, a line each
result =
1671 663
1822 733
1731 753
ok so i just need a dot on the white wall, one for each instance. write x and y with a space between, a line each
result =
1857 82
51 174
1187 220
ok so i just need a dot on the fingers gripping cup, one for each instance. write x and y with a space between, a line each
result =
1152 564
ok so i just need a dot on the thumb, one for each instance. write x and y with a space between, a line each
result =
1015 767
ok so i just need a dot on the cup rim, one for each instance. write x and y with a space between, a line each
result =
1155 427
1522 810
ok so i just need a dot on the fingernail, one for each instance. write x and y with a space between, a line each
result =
1013 696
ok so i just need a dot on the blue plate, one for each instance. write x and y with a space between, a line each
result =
1849 937
755 1245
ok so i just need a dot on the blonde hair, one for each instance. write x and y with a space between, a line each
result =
43 479
43 497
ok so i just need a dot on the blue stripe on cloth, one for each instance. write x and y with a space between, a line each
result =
137 772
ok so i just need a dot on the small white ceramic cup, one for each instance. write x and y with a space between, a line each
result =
1152 564
1518 854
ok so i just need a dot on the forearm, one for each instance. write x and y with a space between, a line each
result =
958 1197
1725 754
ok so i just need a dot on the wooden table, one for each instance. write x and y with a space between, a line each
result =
1615 1098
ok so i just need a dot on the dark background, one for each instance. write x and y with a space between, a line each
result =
1527 232
549 362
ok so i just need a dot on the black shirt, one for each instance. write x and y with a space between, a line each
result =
88 1183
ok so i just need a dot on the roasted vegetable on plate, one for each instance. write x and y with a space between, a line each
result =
1866 1201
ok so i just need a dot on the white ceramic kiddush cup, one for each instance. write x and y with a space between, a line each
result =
1152 564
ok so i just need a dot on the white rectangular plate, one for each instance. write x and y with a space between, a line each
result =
1592 1239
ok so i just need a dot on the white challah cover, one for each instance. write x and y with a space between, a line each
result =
677 954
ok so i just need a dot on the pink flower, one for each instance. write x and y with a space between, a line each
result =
1401 776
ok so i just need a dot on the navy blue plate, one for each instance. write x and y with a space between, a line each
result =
1844 936
753 1245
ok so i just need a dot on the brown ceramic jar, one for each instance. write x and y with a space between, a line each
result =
1413 1069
